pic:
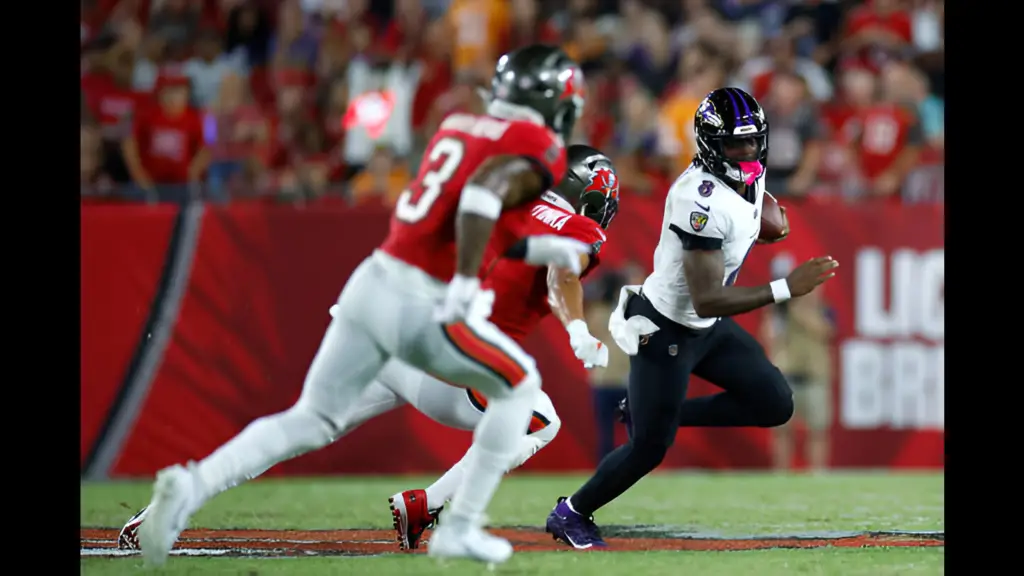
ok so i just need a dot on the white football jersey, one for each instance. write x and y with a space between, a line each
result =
708 211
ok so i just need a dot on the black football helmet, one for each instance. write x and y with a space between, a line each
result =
729 116
542 79
590 184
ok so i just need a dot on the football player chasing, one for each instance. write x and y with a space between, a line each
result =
581 207
679 321
418 298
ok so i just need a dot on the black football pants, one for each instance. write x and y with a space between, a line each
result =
755 394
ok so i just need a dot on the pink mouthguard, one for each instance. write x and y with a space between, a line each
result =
751 170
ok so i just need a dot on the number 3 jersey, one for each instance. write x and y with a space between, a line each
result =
703 213
422 230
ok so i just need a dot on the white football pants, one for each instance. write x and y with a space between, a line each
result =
385 311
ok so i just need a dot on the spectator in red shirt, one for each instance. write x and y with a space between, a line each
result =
889 140
166 152
858 92
112 101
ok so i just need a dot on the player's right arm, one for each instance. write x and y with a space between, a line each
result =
533 161
702 229
500 182
704 268
702 237
565 297
565 293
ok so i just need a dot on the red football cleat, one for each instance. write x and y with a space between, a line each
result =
411 517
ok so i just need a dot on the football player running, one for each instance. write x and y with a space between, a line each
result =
417 298
679 321
581 207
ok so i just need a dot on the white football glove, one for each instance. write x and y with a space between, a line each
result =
591 351
458 299
555 250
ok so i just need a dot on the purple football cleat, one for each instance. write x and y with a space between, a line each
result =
575 530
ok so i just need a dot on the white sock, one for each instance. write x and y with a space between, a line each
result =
442 490
263 443
495 444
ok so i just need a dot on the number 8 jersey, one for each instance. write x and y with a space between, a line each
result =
422 230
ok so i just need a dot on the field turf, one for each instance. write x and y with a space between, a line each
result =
732 524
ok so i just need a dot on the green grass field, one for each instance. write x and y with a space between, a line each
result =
722 505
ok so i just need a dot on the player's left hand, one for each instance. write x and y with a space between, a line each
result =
591 351
458 299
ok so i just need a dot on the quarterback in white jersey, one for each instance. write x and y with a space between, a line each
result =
678 323
701 205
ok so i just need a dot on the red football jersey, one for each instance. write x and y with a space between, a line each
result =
885 130
423 225
167 144
521 290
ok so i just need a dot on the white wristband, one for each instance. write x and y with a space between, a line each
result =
577 328
464 284
780 290
480 201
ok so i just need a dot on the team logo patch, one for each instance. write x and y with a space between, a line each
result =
596 246
698 221
673 350
705 188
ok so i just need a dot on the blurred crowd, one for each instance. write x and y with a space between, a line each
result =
333 100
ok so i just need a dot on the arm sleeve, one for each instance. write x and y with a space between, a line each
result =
586 230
